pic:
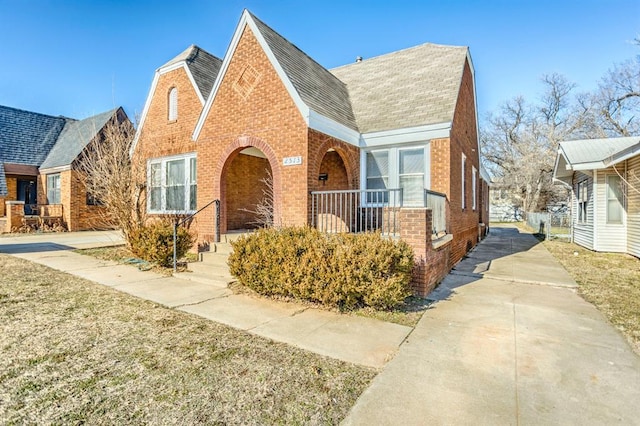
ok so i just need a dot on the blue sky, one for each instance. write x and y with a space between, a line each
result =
79 58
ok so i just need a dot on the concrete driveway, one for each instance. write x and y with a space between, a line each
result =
508 342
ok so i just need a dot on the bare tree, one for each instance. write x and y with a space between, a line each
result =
264 208
109 176
617 100
520 142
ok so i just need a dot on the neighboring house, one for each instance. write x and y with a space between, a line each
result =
218 128
604 177
39 157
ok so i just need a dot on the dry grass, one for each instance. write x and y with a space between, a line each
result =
76 352
122 254
610 281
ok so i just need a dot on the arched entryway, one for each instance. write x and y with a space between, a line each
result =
333 210
243 183
249 191
333 172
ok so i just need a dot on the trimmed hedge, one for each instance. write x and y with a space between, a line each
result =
338 270
154 242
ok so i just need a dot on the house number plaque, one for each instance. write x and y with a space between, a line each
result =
292 161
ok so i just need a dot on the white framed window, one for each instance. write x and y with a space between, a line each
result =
397 167
614 199
53 189
582 198
474 183
172 183
377 175
411 176
173 104
464 182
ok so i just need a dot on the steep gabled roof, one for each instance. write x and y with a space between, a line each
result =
411 87
26 138
73 139
203 66
320 90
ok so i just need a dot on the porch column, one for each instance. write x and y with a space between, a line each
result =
15 214
431 260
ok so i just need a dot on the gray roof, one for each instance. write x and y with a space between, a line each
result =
318 88
595 150
411 87
203 66
75 136
26 138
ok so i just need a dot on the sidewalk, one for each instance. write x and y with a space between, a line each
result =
349 338
507 342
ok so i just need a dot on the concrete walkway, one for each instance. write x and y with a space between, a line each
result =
353 339
508 342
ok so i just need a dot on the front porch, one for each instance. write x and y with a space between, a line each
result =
424 226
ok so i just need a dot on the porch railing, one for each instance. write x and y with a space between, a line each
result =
357 210
437 202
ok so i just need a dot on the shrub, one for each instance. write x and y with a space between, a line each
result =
339 270
154 242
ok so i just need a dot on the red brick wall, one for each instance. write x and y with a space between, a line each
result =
12 189
260 114
431 264
244 190
464 137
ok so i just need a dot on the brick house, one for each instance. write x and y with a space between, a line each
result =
39 180
367 143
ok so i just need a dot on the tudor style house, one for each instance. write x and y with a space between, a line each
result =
604 178
39 178
363 146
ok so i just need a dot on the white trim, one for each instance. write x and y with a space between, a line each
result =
595 218
54 169
331 127
406 135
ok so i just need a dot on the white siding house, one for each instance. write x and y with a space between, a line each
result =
604 178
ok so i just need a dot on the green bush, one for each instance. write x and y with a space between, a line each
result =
154 242
339 270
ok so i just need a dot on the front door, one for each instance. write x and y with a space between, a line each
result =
27 193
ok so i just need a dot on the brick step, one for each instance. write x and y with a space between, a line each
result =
234 235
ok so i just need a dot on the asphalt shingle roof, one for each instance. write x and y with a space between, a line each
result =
203 66
595 150
411 87
74 138
26 138
318 88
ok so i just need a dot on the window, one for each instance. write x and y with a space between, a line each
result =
377 174
173 104
614 199
172 184
411 176
473 187
464 183
582 197
404 168
53 189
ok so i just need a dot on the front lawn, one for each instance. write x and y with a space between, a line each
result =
610 281
77 352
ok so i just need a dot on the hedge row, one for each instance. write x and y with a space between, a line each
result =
339 270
